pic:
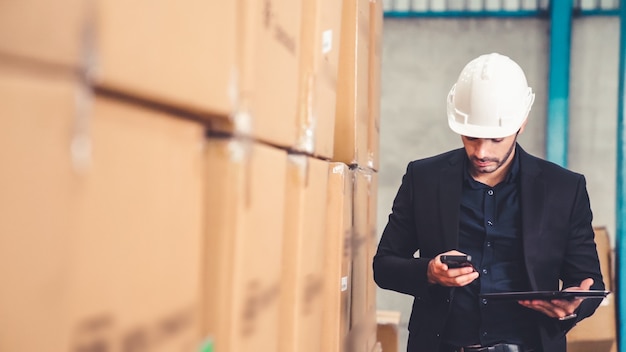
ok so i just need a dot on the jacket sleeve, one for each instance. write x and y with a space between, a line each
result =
581 256
581 259
395 268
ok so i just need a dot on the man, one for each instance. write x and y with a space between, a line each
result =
525 222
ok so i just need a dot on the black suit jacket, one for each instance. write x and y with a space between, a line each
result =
558 240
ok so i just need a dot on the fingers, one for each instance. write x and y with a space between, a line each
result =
439 273
555 309
466 279
586 284
458 277
558 308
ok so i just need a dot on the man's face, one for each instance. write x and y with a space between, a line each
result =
488 155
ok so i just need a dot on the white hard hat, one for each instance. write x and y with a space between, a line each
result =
491 98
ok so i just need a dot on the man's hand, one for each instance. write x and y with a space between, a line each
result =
439 273
559 308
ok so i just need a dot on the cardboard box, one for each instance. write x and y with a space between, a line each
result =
103 256
319 64
302 304
271 56
163 58
599 331
363 245
362 336
50 32
351 117
245 195
182 54
232 63
229 64
372 231
370 337
387 331
338 257
374 87
378 347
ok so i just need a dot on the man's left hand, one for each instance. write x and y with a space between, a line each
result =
559 308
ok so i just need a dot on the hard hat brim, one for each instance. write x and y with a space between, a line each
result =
483 131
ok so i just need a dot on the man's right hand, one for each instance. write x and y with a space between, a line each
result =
439 273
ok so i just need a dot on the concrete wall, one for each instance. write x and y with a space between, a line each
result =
422 59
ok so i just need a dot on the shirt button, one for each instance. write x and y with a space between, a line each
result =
489 222
490 192
484 301
484 333
485 271
488 244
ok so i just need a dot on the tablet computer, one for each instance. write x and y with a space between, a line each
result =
545 295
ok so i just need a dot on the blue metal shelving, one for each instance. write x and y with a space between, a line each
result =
494 8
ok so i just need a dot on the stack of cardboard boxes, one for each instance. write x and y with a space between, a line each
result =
190 175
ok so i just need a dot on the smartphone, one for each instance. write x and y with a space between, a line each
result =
456 261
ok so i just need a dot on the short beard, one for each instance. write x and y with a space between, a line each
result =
504 159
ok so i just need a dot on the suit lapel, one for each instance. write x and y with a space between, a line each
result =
449 189
532 195
532 190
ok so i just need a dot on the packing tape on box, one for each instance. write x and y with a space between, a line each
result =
339 169
307 120
241 118
81 143
302 162
239 149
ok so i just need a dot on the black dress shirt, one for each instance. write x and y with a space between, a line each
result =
490 231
